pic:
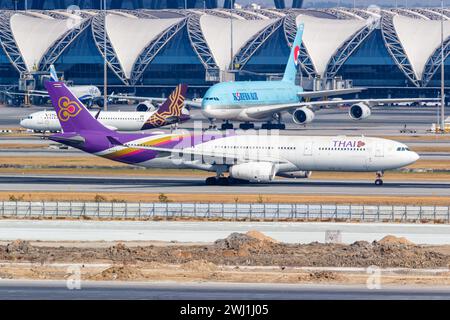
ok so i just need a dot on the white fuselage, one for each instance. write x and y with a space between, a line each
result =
115 120
289 153
86 92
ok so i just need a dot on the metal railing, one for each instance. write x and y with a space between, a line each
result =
230 211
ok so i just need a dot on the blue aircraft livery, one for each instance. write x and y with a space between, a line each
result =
245 96
235 95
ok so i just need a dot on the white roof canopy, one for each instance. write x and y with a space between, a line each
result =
129 36
419 39
35 35
322 37
217 33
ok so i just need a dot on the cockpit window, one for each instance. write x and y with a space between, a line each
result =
403 149
211 98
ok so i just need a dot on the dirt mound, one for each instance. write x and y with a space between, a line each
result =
19 247
244 245
393 240
199 265
119 273
260 236
120 252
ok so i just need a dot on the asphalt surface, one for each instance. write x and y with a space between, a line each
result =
384 120
50 290
61 183
184 231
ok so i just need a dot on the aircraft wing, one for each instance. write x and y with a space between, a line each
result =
327 93
32 93
186 102
264 111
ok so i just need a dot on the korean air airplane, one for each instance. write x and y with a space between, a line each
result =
233 158
170 112
256 101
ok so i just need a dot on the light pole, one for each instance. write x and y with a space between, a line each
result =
105 67
442 69
231 34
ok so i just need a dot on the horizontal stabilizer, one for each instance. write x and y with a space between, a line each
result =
75 139
114 141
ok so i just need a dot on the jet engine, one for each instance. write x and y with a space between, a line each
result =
145 106
303 115
359 111
295 174
253 171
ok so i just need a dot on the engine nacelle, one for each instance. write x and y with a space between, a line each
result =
302 115
253 171
359 111
295 174
145 106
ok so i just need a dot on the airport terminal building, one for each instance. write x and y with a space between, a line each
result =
394 52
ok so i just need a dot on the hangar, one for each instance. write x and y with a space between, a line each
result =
391 51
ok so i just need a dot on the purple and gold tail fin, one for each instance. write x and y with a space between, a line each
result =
170 111
72 114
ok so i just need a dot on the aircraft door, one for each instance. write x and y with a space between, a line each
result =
307 151
379 149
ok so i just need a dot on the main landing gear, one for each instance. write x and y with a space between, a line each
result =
246 126
227 125
217 181
223 181
378 180
273 126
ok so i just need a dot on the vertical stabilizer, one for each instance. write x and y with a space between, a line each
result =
72 114
170 111
53 73
291 67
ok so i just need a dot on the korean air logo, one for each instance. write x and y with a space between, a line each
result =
245 96
296 54
67 109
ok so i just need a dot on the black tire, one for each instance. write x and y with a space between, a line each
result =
226 126
378 182
246 126
210 181
224 181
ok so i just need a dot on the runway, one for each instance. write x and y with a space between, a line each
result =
208 232
49 290
69 183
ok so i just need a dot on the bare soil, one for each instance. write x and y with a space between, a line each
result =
239 250
251 257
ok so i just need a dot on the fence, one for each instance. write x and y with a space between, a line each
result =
257 211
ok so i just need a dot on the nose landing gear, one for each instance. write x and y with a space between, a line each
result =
378 180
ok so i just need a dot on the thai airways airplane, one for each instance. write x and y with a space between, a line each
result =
251 158
251 101
170 112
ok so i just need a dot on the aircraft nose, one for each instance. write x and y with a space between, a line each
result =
414 156
23 122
